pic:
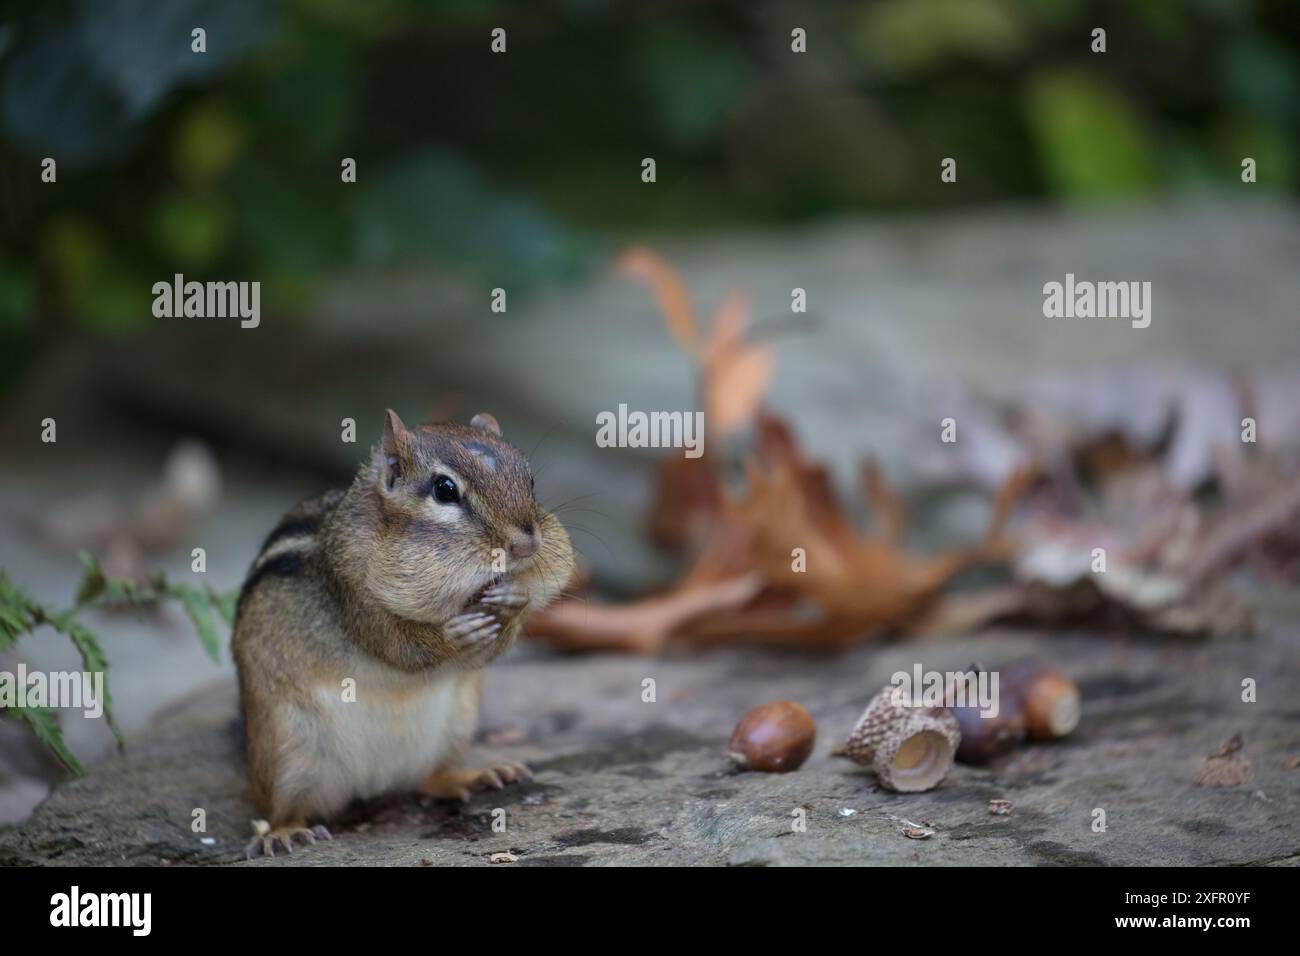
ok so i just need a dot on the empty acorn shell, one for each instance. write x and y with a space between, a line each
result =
773 738
1051 701
909 748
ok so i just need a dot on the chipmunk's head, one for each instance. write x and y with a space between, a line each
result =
456 514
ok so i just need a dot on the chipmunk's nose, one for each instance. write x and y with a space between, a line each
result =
524 543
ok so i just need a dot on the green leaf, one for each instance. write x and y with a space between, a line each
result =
17 296
1261 77
904 38
16 612
45 725
225 604
92 578
695 80
142 51
93 660
434 206
190 230
208 140
196 606
19 615
1090 138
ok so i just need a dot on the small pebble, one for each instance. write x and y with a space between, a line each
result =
914 831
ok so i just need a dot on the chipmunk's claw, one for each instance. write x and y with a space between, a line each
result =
512 771
266 841
468 629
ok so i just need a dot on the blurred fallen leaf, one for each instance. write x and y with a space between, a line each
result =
781 561
642 626
670 295
1140 498
747 584
733 374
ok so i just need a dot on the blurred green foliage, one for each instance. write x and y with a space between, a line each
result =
514 169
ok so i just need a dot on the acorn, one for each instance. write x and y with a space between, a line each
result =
985 737
1050 700
909 748
773 738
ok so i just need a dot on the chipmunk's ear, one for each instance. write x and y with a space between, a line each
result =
391 448
486 422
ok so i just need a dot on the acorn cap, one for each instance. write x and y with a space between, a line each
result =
909 748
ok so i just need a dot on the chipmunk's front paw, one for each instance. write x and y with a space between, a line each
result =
467 630
508 594
267 840
463 784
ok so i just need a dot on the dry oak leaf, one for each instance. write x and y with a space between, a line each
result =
744 586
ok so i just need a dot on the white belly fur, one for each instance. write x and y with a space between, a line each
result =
397 732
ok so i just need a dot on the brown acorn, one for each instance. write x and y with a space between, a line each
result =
909 748
983 738
773 738
1051 701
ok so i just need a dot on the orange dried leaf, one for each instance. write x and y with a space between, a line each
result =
642 626
670 295
687 500
735 386
728 330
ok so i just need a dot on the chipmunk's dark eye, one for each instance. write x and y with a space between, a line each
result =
445 491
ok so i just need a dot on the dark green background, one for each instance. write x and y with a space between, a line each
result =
527 166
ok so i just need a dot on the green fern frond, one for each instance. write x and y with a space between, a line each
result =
44 723
20 614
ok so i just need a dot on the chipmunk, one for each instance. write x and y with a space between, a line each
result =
365 622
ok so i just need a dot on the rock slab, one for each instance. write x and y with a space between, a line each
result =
622 780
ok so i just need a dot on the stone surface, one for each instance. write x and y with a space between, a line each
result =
622 781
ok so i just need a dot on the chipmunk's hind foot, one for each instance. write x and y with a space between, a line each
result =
463 784
266 841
